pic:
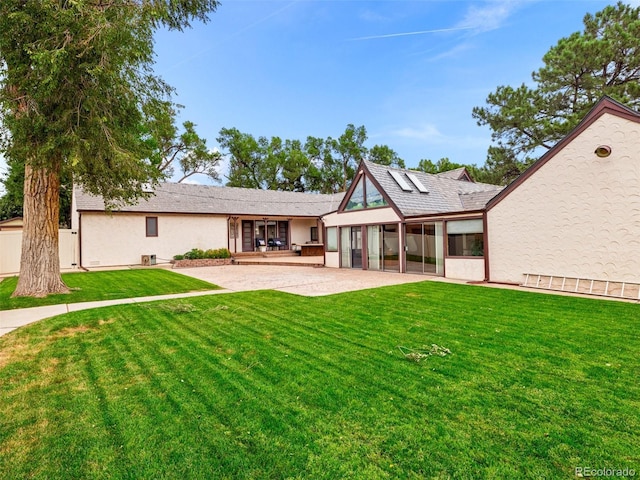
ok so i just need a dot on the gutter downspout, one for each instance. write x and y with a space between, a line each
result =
485 239
80 240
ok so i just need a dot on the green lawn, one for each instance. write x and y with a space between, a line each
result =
108 285
270 385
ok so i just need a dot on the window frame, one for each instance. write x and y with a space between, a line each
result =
328 239
471 237
150 231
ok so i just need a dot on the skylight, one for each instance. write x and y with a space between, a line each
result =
416 181
400 181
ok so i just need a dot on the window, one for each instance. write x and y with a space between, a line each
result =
356 201
152 226
465 238
374 197
332 239
365 195
314 234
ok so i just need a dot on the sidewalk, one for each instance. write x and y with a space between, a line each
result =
12 319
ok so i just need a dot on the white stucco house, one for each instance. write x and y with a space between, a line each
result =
570 222
179 217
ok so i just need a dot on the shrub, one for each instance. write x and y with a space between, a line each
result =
196 253
217 253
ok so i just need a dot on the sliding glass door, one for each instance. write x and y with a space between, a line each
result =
425 248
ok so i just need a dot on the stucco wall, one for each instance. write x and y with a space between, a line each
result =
578 215
332 259
301 230
120 239
361 217
464 268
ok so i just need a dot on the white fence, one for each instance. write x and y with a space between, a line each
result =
11 247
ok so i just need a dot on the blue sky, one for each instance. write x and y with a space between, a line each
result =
409 71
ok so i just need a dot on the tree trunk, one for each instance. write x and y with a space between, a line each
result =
40 260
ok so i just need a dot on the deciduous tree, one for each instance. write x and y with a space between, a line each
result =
173 149
385 155
73 79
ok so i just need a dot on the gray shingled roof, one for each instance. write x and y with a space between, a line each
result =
455 173
189 198
446 195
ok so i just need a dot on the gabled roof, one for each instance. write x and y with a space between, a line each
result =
606 105
199 199
457 174
445 195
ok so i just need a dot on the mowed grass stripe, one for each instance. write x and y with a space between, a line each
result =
106 285
282 386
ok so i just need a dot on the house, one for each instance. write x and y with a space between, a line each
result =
572 217
407 221
575 213
179 217
11 224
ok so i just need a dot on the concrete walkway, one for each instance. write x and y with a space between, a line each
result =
12 319
299 280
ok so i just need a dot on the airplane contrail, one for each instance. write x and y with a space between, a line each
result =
422 32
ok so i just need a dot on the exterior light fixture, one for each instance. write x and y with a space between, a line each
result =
603 151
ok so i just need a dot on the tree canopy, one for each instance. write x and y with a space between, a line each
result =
325 165
74 78
603 59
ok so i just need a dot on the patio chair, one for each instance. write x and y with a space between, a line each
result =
275 243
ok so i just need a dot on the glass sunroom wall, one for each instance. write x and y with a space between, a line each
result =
356 201
433 248
374 247
415 248
391 248
345 247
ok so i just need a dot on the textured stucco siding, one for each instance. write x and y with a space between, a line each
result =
120 239
332 259
362 217
578 215
301 231
464 268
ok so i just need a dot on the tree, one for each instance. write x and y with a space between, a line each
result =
604 59
170 148
245 158
11 202
326 176
349 148
384 155
442 165
73 79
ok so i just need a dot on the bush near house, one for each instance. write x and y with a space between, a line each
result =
197 254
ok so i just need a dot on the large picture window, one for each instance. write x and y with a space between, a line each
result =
365 195
465 238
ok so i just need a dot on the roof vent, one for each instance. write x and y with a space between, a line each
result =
416 181
603 151
400 181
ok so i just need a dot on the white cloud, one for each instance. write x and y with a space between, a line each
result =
490 16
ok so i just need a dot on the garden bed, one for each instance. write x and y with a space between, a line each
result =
201 262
